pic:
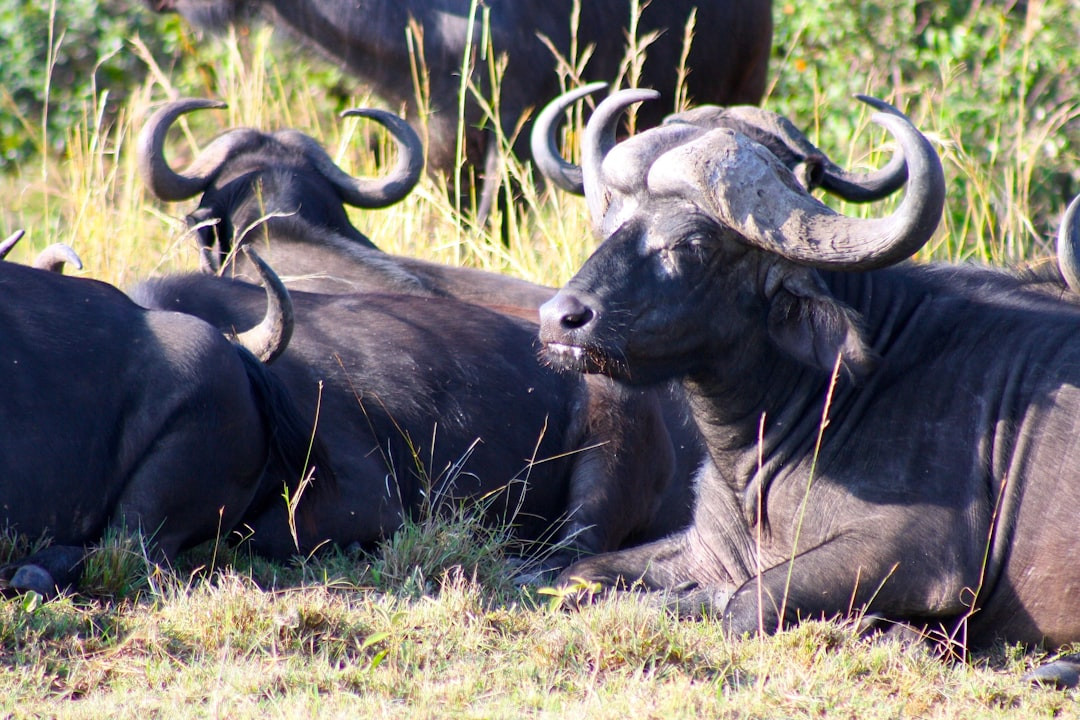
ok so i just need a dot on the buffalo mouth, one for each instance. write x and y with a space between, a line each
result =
581 358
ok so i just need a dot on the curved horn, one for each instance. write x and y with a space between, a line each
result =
873 185
597 141
793 148
10 242
1068 245
545 146
271 336
836 241
361 192
749 190
54 256
162 180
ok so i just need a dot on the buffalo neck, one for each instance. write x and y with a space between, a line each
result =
754 409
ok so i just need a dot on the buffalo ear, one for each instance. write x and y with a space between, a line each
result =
812 326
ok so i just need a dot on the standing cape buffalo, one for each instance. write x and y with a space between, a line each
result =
115 416
941 490
727 64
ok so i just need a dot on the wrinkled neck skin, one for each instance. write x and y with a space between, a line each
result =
755 411
755 407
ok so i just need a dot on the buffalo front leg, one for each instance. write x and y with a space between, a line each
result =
845 577
620 474
676 564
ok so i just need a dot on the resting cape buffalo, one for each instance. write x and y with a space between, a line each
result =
887 438
115 416
420 399
282 191
727 62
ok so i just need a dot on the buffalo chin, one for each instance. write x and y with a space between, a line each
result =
576 358
566 358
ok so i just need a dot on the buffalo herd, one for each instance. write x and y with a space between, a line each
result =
745 402
379 41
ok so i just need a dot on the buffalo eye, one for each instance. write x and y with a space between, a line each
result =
675 256
691 241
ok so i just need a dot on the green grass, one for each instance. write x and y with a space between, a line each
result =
229 648
433 625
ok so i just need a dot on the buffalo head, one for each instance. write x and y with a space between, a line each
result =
247 177
711 252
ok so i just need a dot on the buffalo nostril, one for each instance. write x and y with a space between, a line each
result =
563 313
576 318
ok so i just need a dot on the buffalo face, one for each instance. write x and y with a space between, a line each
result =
712 253
633 310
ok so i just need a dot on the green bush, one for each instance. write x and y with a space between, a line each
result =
992 82
59 55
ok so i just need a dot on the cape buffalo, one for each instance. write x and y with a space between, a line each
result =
418 399
884 438
282 188
372 39
287 188
115 416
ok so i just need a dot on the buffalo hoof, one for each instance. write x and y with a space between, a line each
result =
33 578
47 572
691 601
1062 674
542 571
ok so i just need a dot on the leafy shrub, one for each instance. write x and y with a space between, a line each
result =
58 55
993 82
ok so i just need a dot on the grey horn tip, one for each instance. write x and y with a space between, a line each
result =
879 105
363 112
545 146
638 94
164 182
55 256
395 185
271 336
586 89
10 242
266 273
182 106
